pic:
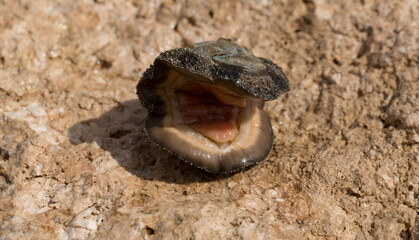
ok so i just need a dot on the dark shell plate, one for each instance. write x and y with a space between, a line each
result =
223 63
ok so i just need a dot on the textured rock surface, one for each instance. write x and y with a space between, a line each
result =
75 163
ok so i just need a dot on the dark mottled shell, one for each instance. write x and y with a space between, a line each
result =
224 63
220 63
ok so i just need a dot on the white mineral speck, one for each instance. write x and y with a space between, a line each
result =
16 115
85 223
38 127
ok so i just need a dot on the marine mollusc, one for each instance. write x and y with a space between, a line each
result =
205 104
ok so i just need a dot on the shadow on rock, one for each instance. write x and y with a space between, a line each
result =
120 131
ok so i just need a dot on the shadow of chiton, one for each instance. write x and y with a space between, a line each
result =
205 104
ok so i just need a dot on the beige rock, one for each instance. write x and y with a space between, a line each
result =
76 164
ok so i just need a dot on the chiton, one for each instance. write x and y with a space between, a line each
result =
205 104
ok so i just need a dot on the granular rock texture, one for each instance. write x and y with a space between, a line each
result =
76 164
